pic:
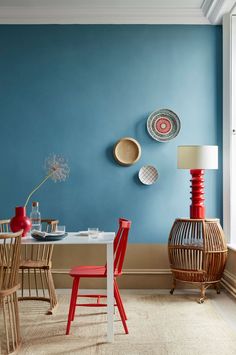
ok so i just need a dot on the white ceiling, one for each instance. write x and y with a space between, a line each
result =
114 11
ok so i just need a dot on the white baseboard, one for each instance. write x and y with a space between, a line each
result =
229 282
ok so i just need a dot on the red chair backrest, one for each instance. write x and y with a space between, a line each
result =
120 243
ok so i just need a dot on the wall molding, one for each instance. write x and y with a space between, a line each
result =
138 12
148 12
100 15
228 280
126 271
214 10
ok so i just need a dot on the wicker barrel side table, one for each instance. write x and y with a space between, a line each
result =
197 253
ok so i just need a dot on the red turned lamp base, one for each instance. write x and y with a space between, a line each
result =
197 208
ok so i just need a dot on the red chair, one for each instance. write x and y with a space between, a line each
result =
78 272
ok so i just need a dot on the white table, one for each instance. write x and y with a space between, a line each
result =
107 238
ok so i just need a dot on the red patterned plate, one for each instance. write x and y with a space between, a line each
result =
163 125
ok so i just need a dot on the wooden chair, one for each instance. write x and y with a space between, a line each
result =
35 265
78 272
36 277
10 338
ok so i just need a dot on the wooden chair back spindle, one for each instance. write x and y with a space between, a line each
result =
5 226
9 270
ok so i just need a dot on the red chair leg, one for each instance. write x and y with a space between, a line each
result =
72 303
118 293
119 306
77 291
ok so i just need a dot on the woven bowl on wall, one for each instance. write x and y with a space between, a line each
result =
127 151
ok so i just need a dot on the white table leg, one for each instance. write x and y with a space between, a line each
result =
110 294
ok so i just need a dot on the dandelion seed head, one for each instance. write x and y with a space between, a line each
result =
56 166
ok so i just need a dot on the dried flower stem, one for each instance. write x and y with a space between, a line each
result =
37 187
57 169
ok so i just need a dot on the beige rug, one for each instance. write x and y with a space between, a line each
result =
158 324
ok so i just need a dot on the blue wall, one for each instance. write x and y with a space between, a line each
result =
76 90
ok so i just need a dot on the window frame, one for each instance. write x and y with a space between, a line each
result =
229 128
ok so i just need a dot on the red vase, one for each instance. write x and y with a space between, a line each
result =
20 221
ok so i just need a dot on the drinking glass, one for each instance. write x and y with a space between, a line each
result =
93 232
61 229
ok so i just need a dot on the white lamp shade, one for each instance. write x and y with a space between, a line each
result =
198 157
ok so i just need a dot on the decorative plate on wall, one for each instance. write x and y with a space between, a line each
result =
163 125
127 151
148 175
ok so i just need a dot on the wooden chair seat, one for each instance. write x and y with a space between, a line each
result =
35 264
91 271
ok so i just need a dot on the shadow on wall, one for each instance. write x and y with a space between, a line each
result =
141 130
137 181
109 154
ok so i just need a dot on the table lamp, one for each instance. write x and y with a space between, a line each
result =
197 158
